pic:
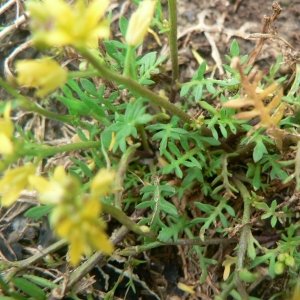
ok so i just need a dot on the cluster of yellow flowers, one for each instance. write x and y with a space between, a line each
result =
55 23
75 216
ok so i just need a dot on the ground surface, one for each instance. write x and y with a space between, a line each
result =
205 27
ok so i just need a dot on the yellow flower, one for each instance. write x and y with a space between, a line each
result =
101 183
140 22
61 187
45 74
13 182
6 132
81 226
57 23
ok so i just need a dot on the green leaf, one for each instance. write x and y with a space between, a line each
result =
166 233
234 48
123 25
38 212
198 92
86 170
210 87
89 87
199 75
29 288
168 207
45 283
262 206
184 90
273 221
74 105
259 150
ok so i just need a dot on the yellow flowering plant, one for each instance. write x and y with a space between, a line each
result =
114 139
75 216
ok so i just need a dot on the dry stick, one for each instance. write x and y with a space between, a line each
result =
18 265
269 36
268 21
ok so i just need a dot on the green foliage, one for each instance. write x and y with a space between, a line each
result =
154 196
186 170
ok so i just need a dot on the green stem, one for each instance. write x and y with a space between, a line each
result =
125 220
32 106
135 87
44 151
144 137
225 293
123 165
134 250
83 74
245 231
17 265
127 62
173 45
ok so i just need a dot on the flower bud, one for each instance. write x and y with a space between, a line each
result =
279 267
290 261
140 22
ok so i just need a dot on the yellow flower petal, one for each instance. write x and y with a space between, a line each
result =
6 145
44 74
101 183
102 243
13 182
91 208
61 187
76 249
57 23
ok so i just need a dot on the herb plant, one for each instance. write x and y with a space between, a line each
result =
198 182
